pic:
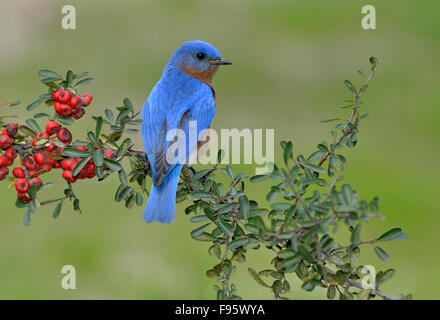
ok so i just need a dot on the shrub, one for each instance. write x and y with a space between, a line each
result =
308 204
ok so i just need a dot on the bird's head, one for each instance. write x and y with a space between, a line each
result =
199 59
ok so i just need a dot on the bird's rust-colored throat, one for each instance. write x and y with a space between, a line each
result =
204 76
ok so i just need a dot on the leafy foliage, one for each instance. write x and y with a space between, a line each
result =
308 203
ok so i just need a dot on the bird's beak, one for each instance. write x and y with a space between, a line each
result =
220 61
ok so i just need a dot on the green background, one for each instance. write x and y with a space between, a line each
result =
290 61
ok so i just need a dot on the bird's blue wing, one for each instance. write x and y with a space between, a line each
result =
170 108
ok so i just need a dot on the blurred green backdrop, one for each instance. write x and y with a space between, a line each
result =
290 60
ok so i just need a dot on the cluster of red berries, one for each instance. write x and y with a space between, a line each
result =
41 158
47 148
46 156
6 140
68 105
88 172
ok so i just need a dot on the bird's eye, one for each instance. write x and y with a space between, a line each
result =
200 55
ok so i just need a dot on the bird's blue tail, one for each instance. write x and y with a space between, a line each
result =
161 205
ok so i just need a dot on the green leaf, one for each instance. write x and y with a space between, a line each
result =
122 115
69 78
49 80
199 218
98 158
98 126
109 115
65 120
49 74
257 278
20 204
259 178
27 217
356 234
139 199
34 104
331 292
123 177
80 165
112 165
288 152
83 82
41 115
310 285
128 104
381 277
203 195
76 205
226 228
131 131
281 206
80 75
124 193
313 167
33 191
197 232
393 234
92 138
57 210
243 201
34 125
205 237
75 153
381 253
330 120
350 86
237 243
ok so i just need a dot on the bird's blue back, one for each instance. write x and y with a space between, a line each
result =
184 94
176 94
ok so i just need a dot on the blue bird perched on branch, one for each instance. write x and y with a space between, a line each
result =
182 96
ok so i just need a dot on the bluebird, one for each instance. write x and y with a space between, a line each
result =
183 94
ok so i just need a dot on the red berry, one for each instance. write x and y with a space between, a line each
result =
51 147
3 161
5 142
75 102
36 181
64 135
40 158
29 163
18 172
32 172
56 95
109 153
50 161
86 99
22 185
67 174
12 129
41 135
57 165
23 197
46 167
11 154
69 164
78 114
4 171
64 110
57 105
52 127
64 96
82 148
